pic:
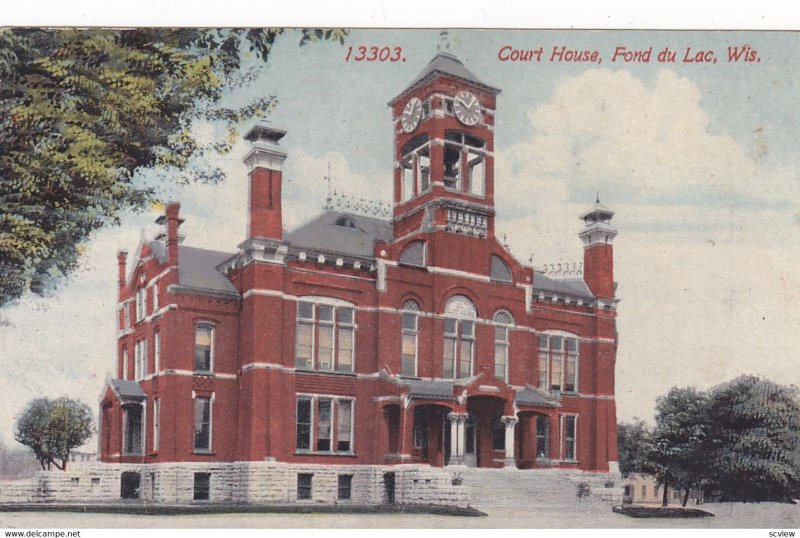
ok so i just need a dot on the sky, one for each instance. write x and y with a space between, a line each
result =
698 160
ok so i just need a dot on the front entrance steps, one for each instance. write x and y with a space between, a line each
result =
539 489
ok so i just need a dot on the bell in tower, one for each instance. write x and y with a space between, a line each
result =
444 150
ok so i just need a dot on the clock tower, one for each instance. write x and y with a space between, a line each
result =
444 151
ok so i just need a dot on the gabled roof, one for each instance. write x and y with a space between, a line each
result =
574 286
438 390
533 396
354 235
197 267
126 389
445 63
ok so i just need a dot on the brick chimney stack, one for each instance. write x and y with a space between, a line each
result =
598 251
265 161
173 219
122 260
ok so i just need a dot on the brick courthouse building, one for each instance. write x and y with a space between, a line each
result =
353 356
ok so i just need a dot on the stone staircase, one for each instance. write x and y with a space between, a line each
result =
539 490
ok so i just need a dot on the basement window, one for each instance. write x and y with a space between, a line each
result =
202 486
345 487
304 481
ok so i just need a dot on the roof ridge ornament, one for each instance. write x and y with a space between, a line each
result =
359 206
444 42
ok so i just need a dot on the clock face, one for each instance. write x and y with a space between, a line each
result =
411 115
467 108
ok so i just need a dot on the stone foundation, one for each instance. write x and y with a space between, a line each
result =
240 482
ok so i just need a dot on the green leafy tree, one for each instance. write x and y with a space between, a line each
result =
52 428
635 442
756 434
681 455
81 111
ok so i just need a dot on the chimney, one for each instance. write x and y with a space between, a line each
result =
173 221
122 259
265 161
598 251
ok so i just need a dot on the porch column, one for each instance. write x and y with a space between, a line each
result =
461 437
406 433
456 438
510 422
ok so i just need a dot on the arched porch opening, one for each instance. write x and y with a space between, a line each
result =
491 425
428 427
532 436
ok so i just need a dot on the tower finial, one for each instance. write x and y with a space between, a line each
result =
444 43
597 200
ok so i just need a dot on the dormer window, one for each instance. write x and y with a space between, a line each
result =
345 222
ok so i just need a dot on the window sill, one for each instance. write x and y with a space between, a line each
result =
132 455
304 370
198 452
204 373
337 454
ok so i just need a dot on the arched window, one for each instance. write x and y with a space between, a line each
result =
459 337
558 362
410 334
414 254
499 270
503 320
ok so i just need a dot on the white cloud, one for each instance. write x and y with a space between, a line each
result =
640 143
704 258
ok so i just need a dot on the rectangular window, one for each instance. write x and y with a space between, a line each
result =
132 424
141 304
140 359
202 486
409 345
501 353
450 343
303 424
557 362
304 485
325 337
156 423
345 487
203 347
346 334
568 425
324 426
157 351
542 436
202 424
155 295
467 345
124 363
344 426
571 373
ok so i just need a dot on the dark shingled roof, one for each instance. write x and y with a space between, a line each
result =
127 390
197 267
573 286
532 396
447 64
355 235
439 390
